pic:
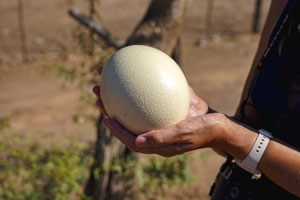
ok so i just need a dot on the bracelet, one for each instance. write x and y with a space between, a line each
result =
252 159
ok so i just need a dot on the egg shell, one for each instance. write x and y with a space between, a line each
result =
144 89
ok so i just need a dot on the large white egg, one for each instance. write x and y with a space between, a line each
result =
144 89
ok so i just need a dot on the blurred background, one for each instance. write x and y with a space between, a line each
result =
50 129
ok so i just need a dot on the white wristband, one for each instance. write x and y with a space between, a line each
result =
252 159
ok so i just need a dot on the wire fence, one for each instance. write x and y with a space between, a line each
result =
230 17
35 27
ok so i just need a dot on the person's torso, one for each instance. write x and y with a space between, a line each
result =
275 100
276 94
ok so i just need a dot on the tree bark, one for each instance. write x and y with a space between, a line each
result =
107 148
257 16
161 28
99 30
162 25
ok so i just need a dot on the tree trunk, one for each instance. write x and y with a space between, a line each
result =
160 28
257 16
162 25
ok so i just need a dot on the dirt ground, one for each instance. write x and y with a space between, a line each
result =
40 107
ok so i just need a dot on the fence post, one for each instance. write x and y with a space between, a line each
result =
256 16
22 31
91 16
208 20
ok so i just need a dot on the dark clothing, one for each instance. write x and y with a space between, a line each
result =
273 92
276 97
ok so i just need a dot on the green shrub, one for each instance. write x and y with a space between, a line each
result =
159 175
4 123
33 172
152 178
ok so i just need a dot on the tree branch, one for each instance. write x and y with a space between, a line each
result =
97 28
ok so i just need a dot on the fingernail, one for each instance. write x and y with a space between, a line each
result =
140 141
94 89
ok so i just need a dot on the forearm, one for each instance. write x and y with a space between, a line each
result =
279 163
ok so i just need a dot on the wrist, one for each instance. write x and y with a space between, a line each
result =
238 139
250 163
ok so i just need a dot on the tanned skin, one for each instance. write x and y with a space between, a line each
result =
201 129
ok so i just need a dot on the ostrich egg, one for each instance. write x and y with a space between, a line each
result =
144 89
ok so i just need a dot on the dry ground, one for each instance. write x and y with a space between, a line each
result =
41 108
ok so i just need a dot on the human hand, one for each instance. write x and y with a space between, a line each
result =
198 130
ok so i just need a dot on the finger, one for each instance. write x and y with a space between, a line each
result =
96 90
100 70
166 151
99 103
129 138
122 134
160 138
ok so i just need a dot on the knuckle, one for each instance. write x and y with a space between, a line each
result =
220 116
183 128
178 126
158 139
